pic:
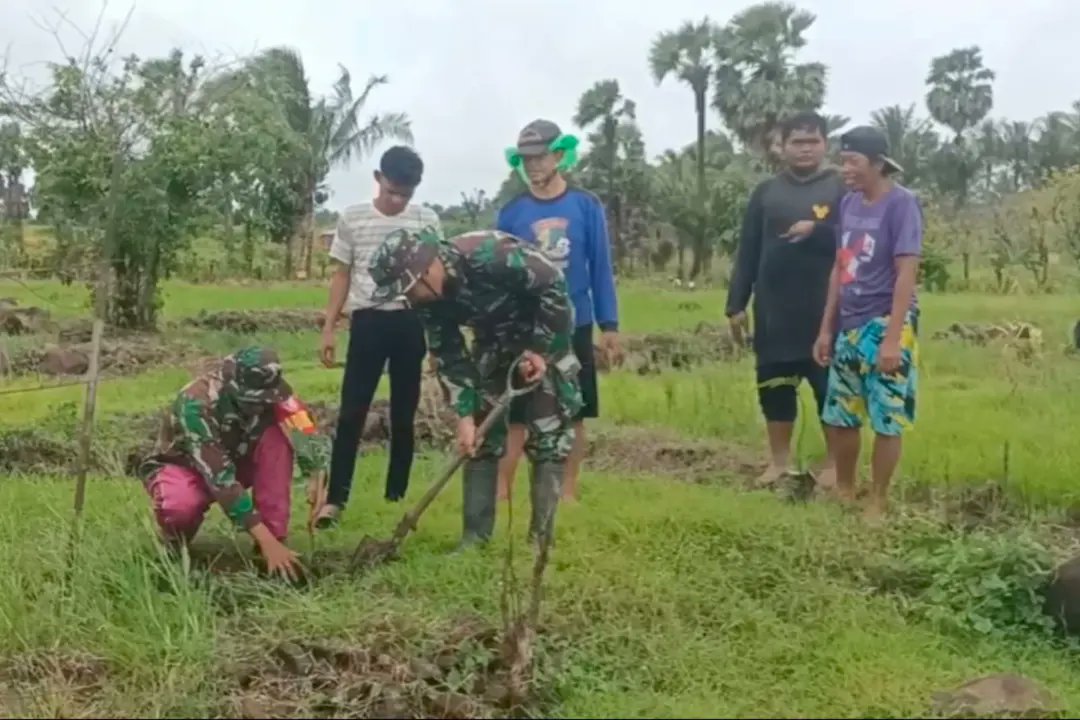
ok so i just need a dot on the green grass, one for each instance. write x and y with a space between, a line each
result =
664 598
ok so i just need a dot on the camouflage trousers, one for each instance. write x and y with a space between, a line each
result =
549 409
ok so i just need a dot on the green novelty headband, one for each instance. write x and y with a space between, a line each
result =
566 144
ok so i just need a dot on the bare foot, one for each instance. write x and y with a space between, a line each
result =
826 478
874 512
769 477
845 495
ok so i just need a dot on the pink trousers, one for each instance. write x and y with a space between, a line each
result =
181 497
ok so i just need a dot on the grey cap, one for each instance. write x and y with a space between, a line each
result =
536 137
872 143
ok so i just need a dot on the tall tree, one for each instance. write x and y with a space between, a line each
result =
960 96
912 140
990 150
604 108
13 196
332 128
686 53
1058 144
1017 152
758 82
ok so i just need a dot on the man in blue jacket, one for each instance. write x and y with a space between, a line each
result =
570 228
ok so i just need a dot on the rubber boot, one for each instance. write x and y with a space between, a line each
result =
545 490
479 481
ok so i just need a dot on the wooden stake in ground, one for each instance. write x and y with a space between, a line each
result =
85 434
89 406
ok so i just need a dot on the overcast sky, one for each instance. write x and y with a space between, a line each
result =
470 73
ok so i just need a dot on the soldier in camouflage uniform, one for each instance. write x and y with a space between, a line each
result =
237 427
515 302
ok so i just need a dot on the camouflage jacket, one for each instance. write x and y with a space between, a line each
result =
216 420
511 297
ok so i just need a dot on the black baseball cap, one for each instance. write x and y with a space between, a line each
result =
872 143
536 137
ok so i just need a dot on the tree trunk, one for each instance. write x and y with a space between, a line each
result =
615 238
288 269
230 233
699 241
249 247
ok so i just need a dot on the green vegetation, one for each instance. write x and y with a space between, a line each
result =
665 598
164 188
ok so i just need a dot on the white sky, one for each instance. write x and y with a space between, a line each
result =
470 73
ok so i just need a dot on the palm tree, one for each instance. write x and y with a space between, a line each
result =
961 95
602 106
990 149
686 53
1054 148
912 141
331 128
1017 152
757 80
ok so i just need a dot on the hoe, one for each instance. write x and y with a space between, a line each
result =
372 551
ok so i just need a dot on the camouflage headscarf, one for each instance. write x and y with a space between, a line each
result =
253 377
400 260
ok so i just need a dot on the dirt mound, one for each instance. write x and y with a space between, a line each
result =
654 352
1003 695
983 334
463 675
434 425
253 321
641 451
15 320
119 356
120 444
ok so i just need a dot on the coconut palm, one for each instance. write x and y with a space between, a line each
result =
603 109
687 54
332 128
912 140
1017 152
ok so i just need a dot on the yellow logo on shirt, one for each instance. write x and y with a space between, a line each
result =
821 211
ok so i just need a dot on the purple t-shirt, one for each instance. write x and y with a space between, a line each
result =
869 238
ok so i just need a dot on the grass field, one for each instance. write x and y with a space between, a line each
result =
665 598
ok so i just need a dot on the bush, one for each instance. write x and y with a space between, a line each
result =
986 582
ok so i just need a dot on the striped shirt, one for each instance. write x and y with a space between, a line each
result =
360 229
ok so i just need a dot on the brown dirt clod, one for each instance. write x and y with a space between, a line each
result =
650 451
683 350
1002 695
15 320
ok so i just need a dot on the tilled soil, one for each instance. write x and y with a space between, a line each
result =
648 451
253 321
683 350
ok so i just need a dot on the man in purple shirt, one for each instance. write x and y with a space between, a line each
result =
869 329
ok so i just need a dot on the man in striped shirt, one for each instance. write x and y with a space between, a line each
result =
379 333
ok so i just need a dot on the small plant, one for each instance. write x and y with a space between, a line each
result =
1065 210
984 582
934 269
